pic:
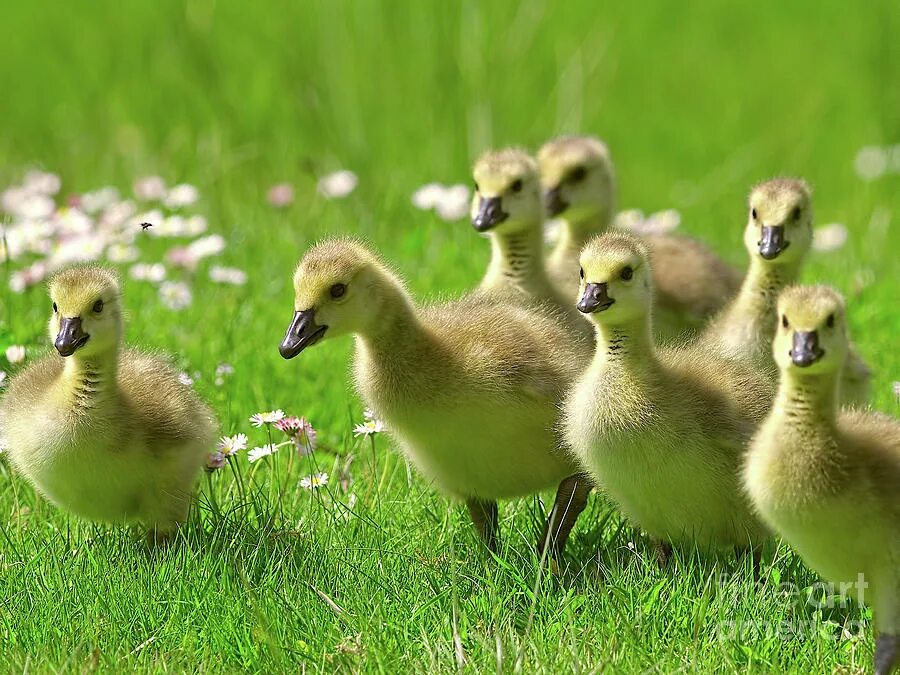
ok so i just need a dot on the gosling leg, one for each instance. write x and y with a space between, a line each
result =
571 499
486 519
663 550
887 649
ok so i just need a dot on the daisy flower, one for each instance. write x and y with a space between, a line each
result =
215 460
231 445
222 371
301 432
338 184
42 182
368 428
150 188
453 203
145 272
829 237
227 275
121 253
314 481
2 379
259 419
181 195
427 196
261 451
15 354
281 195
897 389
92 202
204 247
870 163
176 295
186 379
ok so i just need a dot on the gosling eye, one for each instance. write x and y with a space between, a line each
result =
784 321
581 272
55 308
626 273
577 174
517 185
796 213
477 189
337 291
98 307
830 321
753 213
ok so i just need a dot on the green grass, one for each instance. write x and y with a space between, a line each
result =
696 102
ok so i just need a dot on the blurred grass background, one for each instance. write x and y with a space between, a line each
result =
697 101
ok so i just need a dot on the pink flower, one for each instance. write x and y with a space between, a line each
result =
215 460
281 195
301 433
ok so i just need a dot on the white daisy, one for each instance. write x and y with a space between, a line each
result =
231 445
262 451
182 195
15 353
176 295
150 188
206 246
871 162
368 428
259 419
145 272
122 253
314 481
2 379
453 203
227 275
338 184
829 237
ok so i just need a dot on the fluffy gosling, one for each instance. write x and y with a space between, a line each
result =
661 431
507 207
778 237
469 389
692 283
828 480
106 433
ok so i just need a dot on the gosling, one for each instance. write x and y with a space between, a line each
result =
469 389
692 282
778 237
828 480
507 208
107 433
661 431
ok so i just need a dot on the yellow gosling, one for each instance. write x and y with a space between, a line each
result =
777 237
827 479
662 432
107 433
469 389
692 283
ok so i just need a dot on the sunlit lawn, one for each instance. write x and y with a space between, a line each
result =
377 572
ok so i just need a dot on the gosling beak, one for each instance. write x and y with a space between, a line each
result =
772 242
594 299
553 201
302 333
806 350
70 337
490 214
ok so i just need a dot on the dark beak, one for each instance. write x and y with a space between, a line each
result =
490 214
772 242
554 202
302 333
71 337
806 350
594 299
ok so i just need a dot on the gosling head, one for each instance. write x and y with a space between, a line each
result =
87 315
507 196
615 279
340 287
578 178
779 225
812 330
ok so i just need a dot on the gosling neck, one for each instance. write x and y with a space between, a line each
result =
626 346
90 381
517 258
759 292
575 233
395 327
809 400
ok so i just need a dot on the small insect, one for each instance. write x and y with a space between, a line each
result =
146 226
